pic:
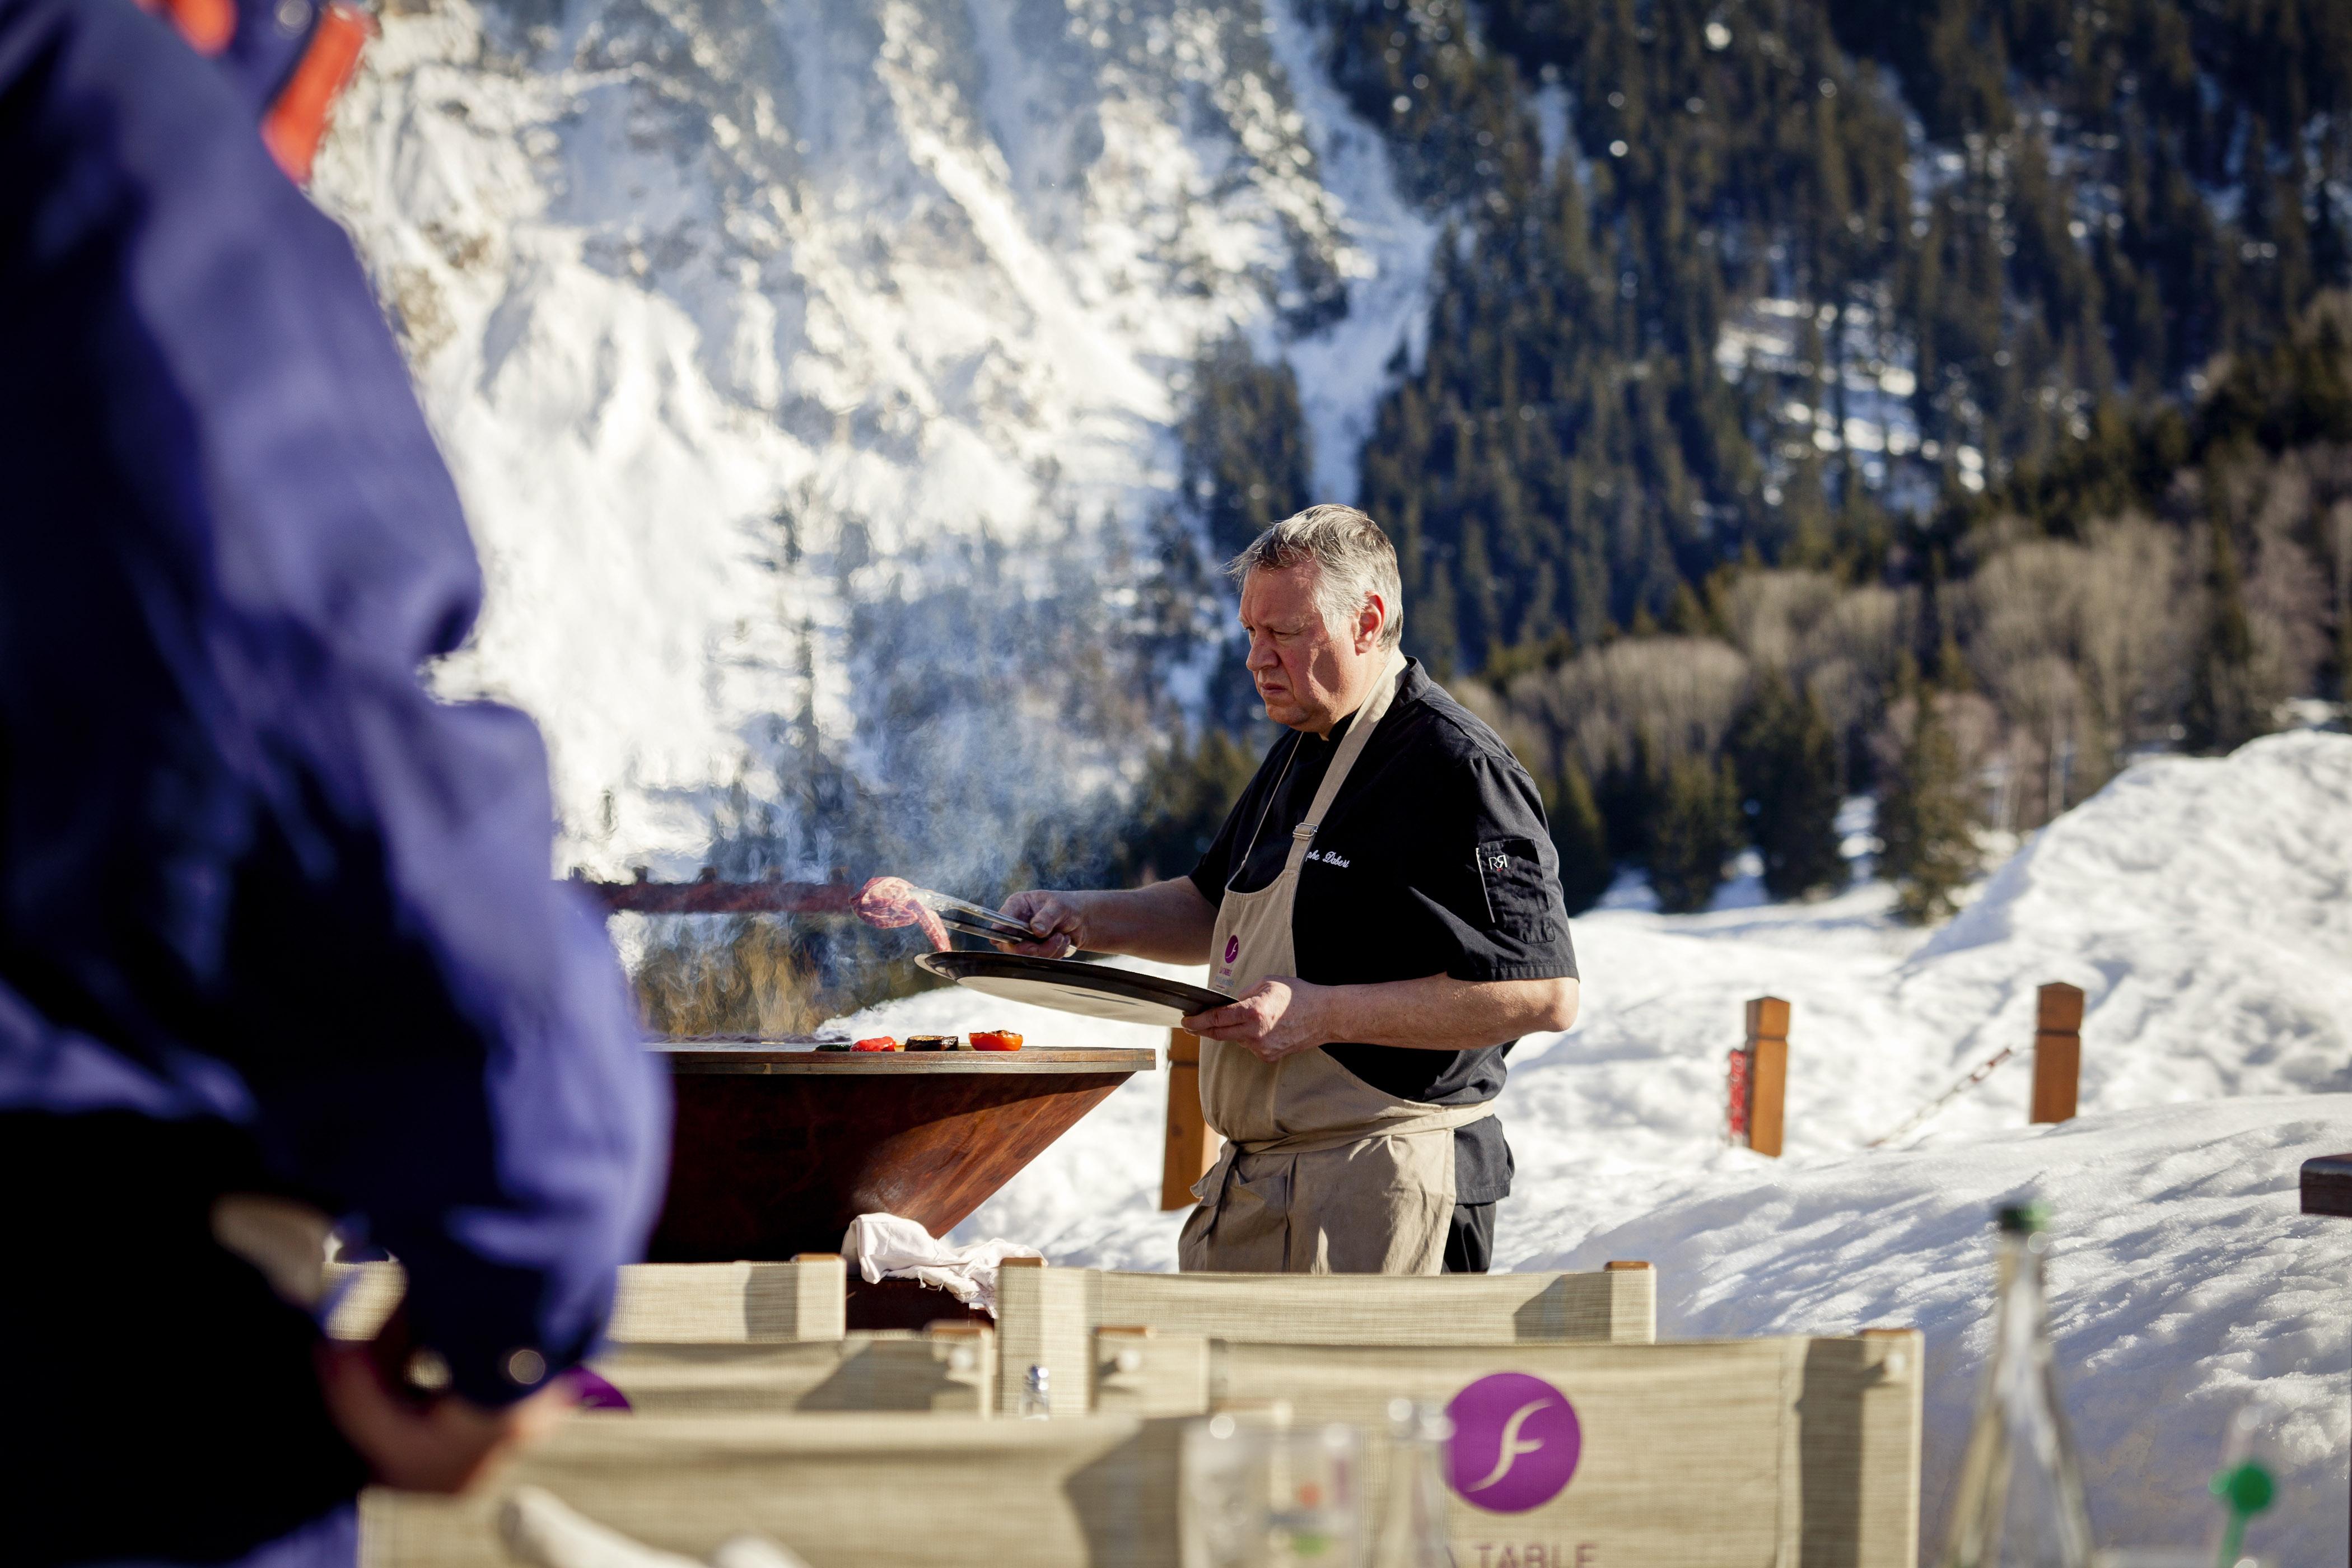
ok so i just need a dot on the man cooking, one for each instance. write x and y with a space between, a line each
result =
1383 905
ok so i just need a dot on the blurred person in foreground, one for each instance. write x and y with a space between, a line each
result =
1383 905
278 940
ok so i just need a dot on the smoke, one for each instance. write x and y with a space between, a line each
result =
1002 704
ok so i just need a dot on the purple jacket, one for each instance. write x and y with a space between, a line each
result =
253 878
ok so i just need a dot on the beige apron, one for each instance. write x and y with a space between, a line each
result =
1321 1173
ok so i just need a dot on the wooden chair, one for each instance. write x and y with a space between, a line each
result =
1837 1419
1046 1316
839 1489
664 1303
950 1368
1789 1452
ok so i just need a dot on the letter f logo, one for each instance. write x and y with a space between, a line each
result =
1517 1439
1513 1445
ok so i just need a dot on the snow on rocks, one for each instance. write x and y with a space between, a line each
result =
738 324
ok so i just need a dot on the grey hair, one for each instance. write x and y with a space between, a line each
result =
1357 560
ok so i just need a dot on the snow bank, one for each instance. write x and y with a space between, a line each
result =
2202 905
2184 1283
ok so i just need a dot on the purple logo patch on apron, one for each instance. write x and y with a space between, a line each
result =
1233 948
1515 1442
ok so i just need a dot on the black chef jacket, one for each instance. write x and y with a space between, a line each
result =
1434 859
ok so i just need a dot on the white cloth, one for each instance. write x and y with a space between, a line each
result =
885 1246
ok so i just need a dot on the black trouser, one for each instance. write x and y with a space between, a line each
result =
1470 1239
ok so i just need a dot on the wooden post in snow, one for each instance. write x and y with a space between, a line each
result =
1767 1072
1192 1148
2057 1051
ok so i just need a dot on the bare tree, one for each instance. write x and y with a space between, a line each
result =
2136 615
1675 696
1772 615
1850 658
1842 645
2018 614
2286 597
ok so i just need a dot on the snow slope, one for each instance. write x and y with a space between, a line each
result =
2184 1283
2205 906
756 332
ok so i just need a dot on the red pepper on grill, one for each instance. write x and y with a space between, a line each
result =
879 1043
995 1040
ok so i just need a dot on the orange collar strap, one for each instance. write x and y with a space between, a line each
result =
207 25
297 122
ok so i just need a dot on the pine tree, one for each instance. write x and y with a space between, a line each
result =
1786 760
1925 819
1697 829
2228 704
1184 805
2344 658
1582 840
1246 457
1627 794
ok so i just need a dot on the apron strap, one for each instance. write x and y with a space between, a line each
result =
1351 746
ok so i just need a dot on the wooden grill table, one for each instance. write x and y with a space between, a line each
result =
778 1148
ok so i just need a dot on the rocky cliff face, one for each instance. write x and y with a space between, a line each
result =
809 369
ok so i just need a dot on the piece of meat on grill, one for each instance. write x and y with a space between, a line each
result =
890 902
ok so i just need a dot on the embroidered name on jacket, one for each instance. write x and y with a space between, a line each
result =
1326 857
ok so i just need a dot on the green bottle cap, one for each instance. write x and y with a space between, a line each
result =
2025 1218
2247 1488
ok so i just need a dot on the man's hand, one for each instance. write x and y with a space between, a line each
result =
1058 918
1275 1019
1165 921
442 1445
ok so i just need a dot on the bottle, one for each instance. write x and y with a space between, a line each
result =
2247 1482
2019 1502
1412 1531
1037 1395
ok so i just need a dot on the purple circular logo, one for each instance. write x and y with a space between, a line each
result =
1233 948
1515 1442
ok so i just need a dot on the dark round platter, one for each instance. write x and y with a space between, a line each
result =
1068 986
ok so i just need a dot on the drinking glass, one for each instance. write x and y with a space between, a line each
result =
1259 1492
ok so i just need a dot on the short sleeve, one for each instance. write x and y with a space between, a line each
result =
1492 879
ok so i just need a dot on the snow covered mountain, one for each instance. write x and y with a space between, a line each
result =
809 370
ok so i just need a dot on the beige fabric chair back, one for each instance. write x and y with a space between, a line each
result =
1742 1451
1046 1316
1756 1454
952 1370
1142 1372
843 1491
665 1303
